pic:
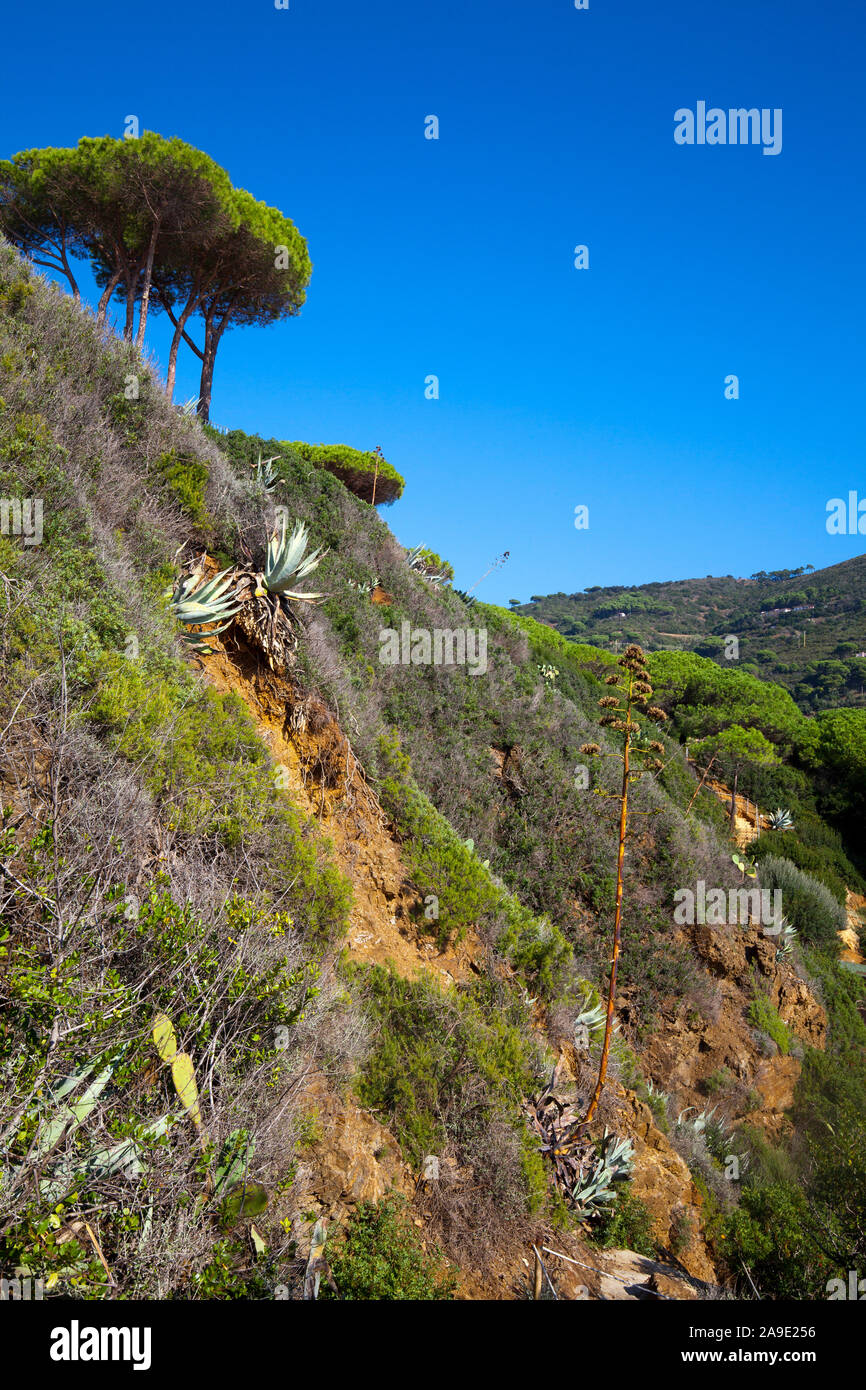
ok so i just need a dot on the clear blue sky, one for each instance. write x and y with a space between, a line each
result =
558 387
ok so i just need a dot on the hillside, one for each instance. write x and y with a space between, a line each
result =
803 628
316 929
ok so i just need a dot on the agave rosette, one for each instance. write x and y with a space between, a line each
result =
213 602
288 563
266 475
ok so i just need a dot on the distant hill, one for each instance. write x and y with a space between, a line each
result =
804 628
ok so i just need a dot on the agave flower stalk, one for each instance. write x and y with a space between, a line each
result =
619 709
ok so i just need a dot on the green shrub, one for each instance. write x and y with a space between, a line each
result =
764 1017
808 905
772 1234
448 1071
433 1049
626 1226
719 1081
830 867
844 997
356 468
185 478
380 1256
445 867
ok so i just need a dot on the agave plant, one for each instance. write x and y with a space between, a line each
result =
655 1093
588 1022
189 407
703 1123
781 820
213 602
787 937
266 475
614 1162
418 561
288 562
61 1118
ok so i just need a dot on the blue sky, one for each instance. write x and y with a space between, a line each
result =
455 257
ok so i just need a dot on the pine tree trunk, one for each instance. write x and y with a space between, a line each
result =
145 293
179 326
213 334
104 298
206 384
131 286
76 293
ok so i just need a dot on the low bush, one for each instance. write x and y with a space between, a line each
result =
807 904
380 1255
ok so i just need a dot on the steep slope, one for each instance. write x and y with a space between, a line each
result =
166 850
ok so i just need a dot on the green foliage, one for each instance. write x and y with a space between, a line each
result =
836 752
450 1070
771 1233
425 561
155 213
697 616
719 1081
735 748
810 907
466 893
764 1017
626 1226
354 467
844 997
380 1256
227 1275
185 478
822 858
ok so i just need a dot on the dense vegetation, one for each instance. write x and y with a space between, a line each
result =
152 866
357 468
804 630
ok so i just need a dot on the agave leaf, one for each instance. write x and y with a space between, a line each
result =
287 560
211 602
76 1112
